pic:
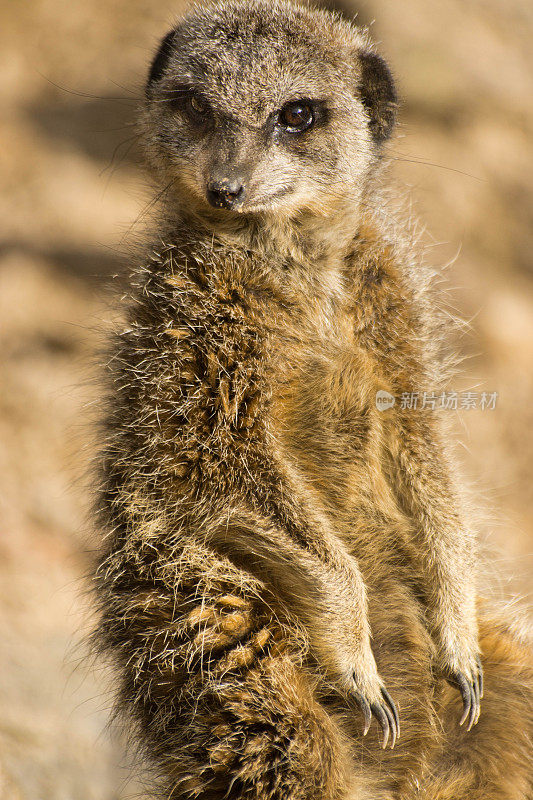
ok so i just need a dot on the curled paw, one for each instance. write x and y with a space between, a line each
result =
384 710
471 690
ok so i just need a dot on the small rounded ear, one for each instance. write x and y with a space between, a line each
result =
160 61
378 95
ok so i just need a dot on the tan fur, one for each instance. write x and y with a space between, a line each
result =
279 550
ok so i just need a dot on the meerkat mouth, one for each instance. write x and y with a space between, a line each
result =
265 203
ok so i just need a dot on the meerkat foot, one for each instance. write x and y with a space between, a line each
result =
471 689
384 710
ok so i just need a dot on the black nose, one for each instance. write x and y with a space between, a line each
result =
225 193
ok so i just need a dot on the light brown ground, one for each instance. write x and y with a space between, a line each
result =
465 74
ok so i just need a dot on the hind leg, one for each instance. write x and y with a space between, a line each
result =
494 761
255 732
216 684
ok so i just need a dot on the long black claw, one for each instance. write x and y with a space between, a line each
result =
466 693
480 674
392 705
383 720
473 708
365 708
392 726
471 692
477 699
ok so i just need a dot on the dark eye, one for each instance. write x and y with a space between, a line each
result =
184 98
196 108
297 117
197 105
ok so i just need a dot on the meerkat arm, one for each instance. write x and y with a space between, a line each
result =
326 593
446 552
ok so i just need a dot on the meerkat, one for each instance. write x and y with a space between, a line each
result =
284 560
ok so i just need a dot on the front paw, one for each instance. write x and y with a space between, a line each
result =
383 709
469 681
365 688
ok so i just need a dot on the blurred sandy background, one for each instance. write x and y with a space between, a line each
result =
67 205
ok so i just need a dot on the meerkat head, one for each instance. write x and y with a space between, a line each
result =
266 106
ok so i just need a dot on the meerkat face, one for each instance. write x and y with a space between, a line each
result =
260 105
